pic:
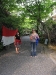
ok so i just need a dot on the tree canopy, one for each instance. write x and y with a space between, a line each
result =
27 14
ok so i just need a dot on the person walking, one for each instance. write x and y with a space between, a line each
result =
17 42
33 37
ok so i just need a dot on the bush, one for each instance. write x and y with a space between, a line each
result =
42 39
1 46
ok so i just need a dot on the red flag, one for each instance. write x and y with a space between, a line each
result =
8 32
8 35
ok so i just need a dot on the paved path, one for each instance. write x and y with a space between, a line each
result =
22 64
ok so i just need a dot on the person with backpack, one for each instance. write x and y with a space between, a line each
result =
34 37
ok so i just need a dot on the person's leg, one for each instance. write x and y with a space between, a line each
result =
16 50
31 48
34 48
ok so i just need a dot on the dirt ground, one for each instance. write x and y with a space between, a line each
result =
53 47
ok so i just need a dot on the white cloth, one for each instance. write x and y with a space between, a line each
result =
7 40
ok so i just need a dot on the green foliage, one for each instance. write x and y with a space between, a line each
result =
53 4
34 8
14 13
8 4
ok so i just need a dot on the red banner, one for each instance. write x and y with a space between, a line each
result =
8 32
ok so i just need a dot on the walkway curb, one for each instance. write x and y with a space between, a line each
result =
53 57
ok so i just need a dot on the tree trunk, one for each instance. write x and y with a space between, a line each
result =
48 35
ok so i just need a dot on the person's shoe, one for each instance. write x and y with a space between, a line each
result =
35 56
17 52
31 56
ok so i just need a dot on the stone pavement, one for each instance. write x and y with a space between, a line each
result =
23 64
